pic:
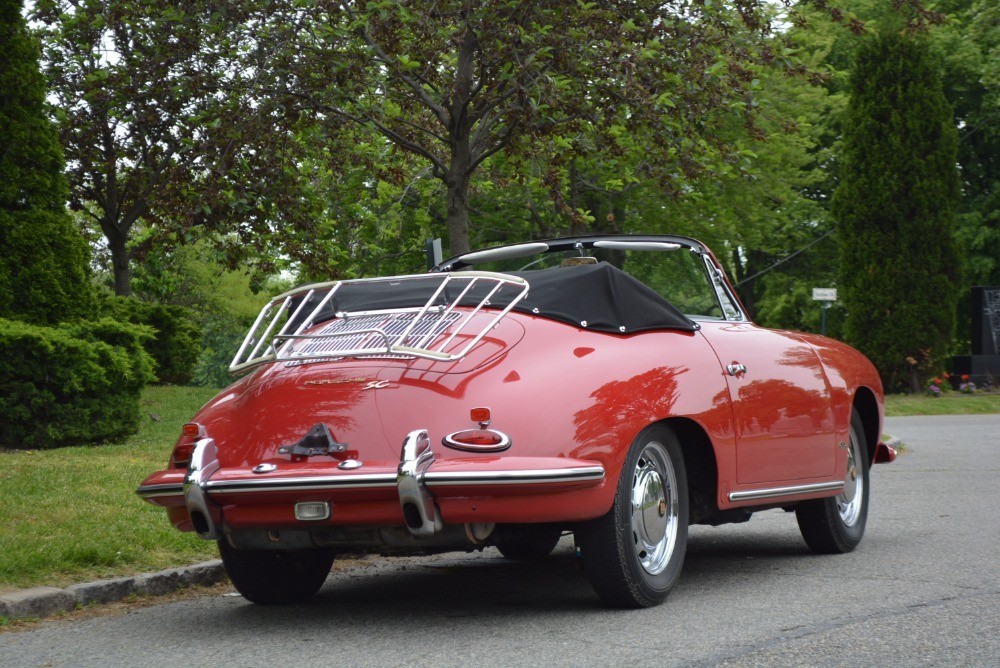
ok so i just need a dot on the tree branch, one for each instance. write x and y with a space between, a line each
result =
392 66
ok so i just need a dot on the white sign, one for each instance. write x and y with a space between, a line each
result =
825 294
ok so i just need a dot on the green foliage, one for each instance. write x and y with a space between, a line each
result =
453 84
789 305
895 210
223 334
43 268
167 139
75 383
176 342
216 306
971 42
968 42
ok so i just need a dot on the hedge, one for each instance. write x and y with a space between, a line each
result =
72 384
176 342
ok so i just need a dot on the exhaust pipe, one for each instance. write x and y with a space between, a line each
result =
419 511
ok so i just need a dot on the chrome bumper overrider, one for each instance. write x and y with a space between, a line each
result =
419 511
205 515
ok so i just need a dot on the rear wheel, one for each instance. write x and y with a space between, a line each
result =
835 525
633 554
276 576
530 542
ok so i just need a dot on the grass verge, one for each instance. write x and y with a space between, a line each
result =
71 515
951 403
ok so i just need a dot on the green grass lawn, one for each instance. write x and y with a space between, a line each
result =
71 514
950 403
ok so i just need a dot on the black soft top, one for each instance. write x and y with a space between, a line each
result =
598 296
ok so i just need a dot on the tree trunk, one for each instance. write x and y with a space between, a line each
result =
120 264
459 126
458 212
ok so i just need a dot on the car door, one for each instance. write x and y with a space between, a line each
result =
782 408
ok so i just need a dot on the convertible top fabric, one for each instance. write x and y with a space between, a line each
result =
600 297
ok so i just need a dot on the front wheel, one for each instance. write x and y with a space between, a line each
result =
836 524
633 554
271 577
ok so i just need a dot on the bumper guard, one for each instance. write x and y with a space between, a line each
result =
419 511
205 515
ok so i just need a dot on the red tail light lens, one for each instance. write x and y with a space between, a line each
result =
477 440
480 438
191 433
181 456
193 430
481 415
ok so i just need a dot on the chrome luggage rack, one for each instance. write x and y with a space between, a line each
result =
429 331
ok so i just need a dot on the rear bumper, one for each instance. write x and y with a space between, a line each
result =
419 492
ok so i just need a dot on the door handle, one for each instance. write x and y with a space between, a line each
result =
737 370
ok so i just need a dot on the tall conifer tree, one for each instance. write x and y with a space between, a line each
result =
43 257
895 210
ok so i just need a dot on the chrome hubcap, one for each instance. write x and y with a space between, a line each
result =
654 508
849 502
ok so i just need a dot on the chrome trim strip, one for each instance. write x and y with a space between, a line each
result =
504 253
388 480
772 492
721 288
164 489
538 477
615 244
311 483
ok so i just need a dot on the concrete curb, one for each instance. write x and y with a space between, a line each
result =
39 602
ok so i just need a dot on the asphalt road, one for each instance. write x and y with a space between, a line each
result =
923 589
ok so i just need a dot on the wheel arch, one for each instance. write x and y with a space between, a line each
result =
866 406
699 465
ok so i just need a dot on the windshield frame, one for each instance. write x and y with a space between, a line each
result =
728 302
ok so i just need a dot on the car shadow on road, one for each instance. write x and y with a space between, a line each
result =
487 587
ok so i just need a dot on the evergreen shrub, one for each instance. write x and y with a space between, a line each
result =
176 342
43 267
72 384
223 335
895 209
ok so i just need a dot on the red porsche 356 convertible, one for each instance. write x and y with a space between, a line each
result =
611 386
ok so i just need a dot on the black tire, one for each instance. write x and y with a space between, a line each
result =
836 524
633 555
270 577
530 542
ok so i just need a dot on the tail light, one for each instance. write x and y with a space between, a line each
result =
191 433
478 440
